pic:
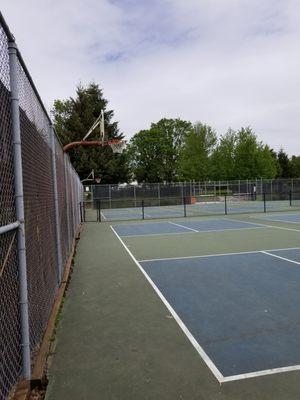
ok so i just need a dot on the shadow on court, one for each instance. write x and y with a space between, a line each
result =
118 340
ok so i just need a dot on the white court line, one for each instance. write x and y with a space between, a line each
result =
281 258
104 217
267 226
191 338
219 376
218 255
260 373
184 233
282 220
182 226
157 234
148 215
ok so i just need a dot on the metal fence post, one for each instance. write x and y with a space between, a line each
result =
158 193
67 201
99 210
81 212
84 213
73 203
56 210
134 195
109 194
271 189
19 196
182 191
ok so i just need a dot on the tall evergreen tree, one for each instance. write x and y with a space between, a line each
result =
295 167
284 163
73 118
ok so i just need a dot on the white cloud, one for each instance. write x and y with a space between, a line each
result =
224 62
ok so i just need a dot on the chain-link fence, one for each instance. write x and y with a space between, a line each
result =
162 200
40 194
122 192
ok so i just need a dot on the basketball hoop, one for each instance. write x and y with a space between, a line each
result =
117 146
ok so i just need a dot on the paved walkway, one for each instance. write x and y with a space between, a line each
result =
117 341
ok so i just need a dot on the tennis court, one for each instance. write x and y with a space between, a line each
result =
232 285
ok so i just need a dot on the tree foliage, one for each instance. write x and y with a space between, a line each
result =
284 164
154 154
295 167
195 153
177 150
223 157
253 159
73 118
239 155
170 150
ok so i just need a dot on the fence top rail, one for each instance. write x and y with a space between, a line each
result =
183 183
6 29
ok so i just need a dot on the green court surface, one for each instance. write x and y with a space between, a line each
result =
146 300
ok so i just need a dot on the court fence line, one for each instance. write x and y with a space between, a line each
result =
111 192
99 210
40 194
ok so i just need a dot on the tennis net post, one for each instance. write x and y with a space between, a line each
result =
225 204
265 206
290 198
143 209
184 206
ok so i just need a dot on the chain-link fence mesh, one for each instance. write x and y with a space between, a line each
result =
39 208
10 356
62 200
42 235
275 187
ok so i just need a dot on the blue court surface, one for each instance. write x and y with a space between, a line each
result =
242 309
293 218
178 227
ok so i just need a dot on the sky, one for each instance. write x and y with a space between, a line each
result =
226 63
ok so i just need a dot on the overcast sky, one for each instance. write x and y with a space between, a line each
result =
227 63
